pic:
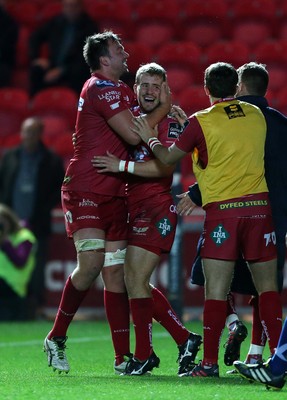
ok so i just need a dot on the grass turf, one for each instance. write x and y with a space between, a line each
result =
24 373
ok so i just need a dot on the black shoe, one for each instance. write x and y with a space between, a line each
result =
136 367
203 371
260 373
233 344
187 353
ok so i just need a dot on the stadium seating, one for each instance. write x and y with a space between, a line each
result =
10 122
277 76
14 107
139 53
203 32
262 9
232 51
14 99
54 126
154 34
63 145
272 52
56 101
183 36
160 10
193 98
49 10
25 12
179 78
22 55
207 10
183 53
116 15
251 32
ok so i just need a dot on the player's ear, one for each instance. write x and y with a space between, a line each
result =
207 92
105 61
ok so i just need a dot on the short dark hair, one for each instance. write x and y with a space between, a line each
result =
151 69
221 79
255 77
97 46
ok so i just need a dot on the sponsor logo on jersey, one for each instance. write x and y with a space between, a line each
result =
140 231
164 227
102 84
88 217
67 179
234 111
175 129
87 203
243 204
80 104
219 235
270 238
172 209
115 105
110 96
69 217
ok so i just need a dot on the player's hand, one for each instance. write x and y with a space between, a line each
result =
108 163
165 96
53 75
178 113
142 128
185 206
41 62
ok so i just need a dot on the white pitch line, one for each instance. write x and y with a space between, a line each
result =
75 340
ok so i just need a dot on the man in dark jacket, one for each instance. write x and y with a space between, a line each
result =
63 36
8 42
31 176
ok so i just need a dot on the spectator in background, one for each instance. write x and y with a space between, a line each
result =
8 42
17 261
30 183
64 36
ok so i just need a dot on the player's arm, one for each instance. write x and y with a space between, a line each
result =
149 169
167 155
122 122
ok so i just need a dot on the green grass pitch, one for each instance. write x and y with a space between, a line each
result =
24 373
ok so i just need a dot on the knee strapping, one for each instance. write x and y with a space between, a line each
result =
115 257
89 244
